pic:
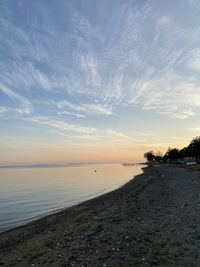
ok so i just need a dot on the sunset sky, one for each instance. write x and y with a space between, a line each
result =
97 81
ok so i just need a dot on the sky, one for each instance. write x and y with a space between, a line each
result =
97 81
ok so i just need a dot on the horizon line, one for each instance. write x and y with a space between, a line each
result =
68 164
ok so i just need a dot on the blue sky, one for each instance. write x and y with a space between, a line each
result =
97 80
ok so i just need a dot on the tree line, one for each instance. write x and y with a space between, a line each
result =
174 154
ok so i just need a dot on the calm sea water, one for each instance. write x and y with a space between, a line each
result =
29 193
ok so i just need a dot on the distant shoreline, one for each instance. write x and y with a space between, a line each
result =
60 165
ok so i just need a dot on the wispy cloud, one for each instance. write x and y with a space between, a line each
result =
71 113
170 95
74 131
117 134
63 125
24 106
86 109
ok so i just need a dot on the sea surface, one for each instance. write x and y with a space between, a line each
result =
30 193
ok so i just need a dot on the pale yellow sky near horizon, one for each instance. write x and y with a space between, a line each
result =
28 152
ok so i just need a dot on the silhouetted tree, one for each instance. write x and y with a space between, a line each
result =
172 153
149 156
183 152
165 157
194 147
158 156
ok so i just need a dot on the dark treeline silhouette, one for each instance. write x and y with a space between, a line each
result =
189 153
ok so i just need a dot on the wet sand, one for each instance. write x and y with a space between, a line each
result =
154 220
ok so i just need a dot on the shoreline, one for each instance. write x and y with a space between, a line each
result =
152 220
66 187
37 224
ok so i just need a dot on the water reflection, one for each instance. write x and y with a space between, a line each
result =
30 192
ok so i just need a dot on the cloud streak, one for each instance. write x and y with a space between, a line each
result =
24 105
75 131
63 125
86 109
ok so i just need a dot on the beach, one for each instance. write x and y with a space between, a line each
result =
153 220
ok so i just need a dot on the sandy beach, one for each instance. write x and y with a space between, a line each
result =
154 220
